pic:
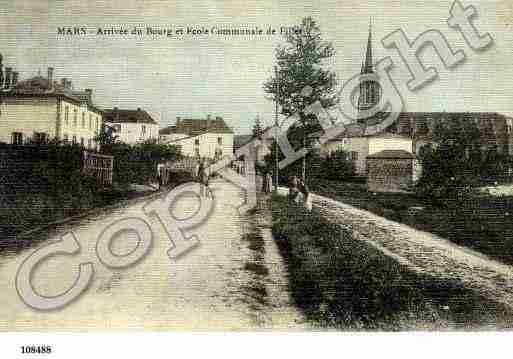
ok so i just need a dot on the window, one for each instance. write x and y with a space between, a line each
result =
143 129
65 138
354 156
196 142
66 115
219 140
97 124
196 150
83 120
82 141
74 139
90 121
17 138
89 143
75 114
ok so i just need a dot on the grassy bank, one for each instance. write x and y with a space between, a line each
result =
483 223
344 283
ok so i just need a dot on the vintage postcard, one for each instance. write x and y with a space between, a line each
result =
256 165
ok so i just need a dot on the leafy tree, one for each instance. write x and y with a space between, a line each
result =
302 63
452 166
338 166
138 163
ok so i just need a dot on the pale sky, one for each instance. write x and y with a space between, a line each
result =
223 75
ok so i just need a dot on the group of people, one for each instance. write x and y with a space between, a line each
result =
298 190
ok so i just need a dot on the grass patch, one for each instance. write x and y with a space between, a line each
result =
483 223
344 283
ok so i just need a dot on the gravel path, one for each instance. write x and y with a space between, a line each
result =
424 252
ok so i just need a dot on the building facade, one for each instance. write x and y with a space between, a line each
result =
202 138
40 109
132 126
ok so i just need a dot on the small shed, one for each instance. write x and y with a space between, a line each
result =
391 171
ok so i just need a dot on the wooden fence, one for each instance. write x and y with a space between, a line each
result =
99 166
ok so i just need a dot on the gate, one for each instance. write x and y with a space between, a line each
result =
99 167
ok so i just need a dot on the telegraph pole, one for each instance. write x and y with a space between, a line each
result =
276 128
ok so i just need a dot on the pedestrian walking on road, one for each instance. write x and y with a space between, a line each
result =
307 198
268 183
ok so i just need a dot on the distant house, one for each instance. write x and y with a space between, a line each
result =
203 138
40 109
360 147
132 126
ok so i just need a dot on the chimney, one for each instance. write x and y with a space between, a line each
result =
89 93
116 114
14 78
208 121
50 78
7 83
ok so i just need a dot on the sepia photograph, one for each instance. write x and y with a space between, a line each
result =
208 166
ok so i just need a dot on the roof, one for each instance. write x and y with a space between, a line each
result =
419 124
392 154
116 115
167 130
39 86
241 140
195 127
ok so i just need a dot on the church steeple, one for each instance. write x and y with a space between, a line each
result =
368 66
370 91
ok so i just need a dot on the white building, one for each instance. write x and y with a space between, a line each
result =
205 138
132 126
360 147
40 109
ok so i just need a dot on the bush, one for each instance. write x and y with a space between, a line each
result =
337 166
138 163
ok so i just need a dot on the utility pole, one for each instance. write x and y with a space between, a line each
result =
276 128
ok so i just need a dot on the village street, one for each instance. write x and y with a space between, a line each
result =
235 279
